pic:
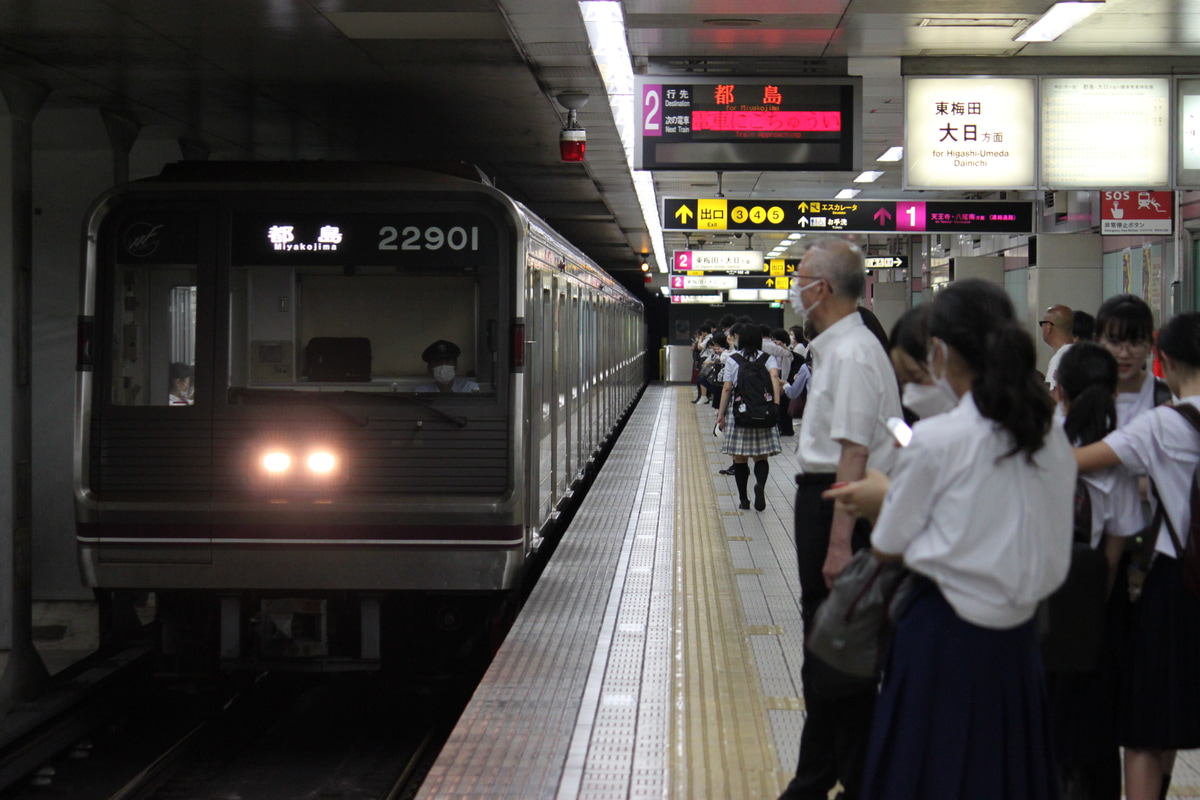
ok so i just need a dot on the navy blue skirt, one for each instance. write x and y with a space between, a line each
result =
1159 706
1083 705
961 712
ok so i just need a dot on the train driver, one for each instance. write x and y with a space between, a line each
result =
441 359
180 389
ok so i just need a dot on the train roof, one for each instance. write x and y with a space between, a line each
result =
321 171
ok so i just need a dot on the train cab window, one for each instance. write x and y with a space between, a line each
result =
329 329
154 336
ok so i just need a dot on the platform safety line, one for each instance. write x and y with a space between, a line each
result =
571 783
721 738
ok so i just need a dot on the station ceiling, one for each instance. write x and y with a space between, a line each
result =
476 80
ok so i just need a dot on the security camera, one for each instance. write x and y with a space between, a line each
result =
737 235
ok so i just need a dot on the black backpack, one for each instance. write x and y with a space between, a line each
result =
754 396
1074 613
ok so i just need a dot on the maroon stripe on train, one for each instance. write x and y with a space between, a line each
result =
457 533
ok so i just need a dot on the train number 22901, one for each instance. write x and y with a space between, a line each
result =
433 237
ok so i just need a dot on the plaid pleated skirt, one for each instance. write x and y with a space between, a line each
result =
749 441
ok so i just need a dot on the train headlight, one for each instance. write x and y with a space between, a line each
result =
322 462
276 462
296 466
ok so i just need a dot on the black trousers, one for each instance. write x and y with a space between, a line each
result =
833 744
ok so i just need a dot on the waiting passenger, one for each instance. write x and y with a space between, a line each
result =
1125 326
921 396
1057 327
852 390
1083 327
1083 703
741 442
1160 705
980 509
180 389
441 359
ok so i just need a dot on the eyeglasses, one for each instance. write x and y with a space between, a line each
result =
796 276
1127 347
1046 322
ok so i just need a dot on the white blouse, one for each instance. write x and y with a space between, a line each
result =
1116 503
1162 444
994 533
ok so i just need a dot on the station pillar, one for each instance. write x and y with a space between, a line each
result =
22 673
1067 269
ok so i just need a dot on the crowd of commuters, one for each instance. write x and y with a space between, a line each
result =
1008 470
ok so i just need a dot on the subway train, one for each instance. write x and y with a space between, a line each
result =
260 445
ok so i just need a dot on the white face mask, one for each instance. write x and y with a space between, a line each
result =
444 373
926 401
797 302
941 382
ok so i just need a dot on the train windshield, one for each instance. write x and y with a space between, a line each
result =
365 330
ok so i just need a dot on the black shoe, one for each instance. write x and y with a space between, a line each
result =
729 471
697 400
745 504
760 502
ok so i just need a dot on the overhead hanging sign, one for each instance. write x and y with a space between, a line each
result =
1132 212
886 262
748 123
744 261
1187 100
700 282
868 216
969 133
704 281
698 299
1105 133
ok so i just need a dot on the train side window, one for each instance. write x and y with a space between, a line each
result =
154 336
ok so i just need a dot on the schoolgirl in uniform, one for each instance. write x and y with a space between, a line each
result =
979 507
1083 704
746 443
1159 706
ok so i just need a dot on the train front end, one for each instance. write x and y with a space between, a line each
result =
259 440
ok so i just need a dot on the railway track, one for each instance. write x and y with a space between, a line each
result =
280 738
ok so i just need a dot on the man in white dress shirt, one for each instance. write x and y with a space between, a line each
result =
853 390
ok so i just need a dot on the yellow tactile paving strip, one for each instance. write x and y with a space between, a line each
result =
721 741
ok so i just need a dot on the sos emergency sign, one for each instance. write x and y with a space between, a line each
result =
1133 212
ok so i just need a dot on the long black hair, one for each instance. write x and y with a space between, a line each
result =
1087 377
1180 339
910 334
750 340
1124 318
976 318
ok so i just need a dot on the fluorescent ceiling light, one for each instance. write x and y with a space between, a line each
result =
666 290
791 237
605 23
869 176
1055 22
846 194
893 154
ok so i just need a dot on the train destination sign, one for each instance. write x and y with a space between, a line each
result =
402 240
748 123
836 216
